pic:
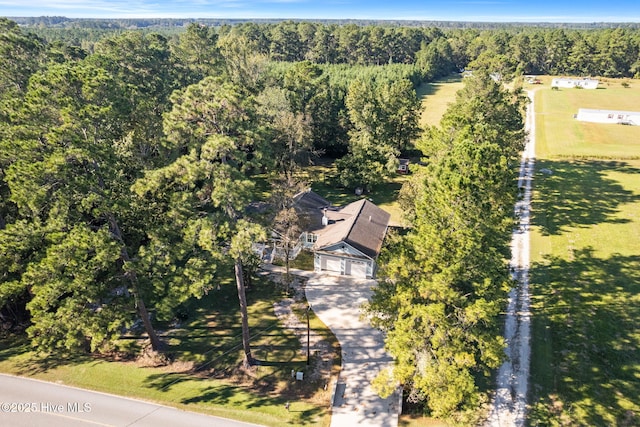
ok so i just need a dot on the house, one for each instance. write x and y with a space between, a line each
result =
403 166
309 208
350 239
572 82
609 116
345 240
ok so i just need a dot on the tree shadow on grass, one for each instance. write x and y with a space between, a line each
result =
431 88
385 193
13 346
28 362
225 395
578 194
167 380
586 340
305 417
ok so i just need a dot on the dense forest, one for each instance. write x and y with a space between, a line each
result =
128 161
609 50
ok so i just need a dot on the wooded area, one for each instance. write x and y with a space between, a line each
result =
609 50
128 161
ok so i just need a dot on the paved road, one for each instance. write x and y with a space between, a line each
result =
26 402
336 300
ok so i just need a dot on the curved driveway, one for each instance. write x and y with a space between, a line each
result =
336 300
25 402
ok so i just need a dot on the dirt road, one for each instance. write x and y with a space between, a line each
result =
509 405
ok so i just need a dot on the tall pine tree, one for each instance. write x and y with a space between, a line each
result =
445 282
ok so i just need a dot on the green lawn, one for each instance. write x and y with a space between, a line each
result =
560 135
585 250
436 97
205 375
419 421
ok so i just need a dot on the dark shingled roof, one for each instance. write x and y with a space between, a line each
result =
361 224
310 200
309 206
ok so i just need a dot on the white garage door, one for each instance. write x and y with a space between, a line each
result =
329 263
356 268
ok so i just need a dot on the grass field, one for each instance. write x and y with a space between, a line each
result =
585 249
205 375
570 138
436 98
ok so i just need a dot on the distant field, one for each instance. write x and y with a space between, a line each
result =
560 135
436 98
585 251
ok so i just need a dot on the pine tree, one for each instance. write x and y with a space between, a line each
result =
444 284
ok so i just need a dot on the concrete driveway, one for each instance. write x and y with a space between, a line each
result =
336 300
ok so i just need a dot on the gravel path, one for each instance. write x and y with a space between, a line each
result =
318 346
509 405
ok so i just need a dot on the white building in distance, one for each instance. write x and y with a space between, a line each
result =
571 82
609 116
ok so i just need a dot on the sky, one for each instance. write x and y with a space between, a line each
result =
432 10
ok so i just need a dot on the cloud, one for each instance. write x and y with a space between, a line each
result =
124 8
46 6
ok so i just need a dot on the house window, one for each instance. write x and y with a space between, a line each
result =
610 116
311 238
620 117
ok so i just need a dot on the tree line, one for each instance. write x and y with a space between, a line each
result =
605 50
610 52
134 23
127 173
444 283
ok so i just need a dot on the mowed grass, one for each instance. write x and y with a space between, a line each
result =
436 98
560 135
206 374
585 253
